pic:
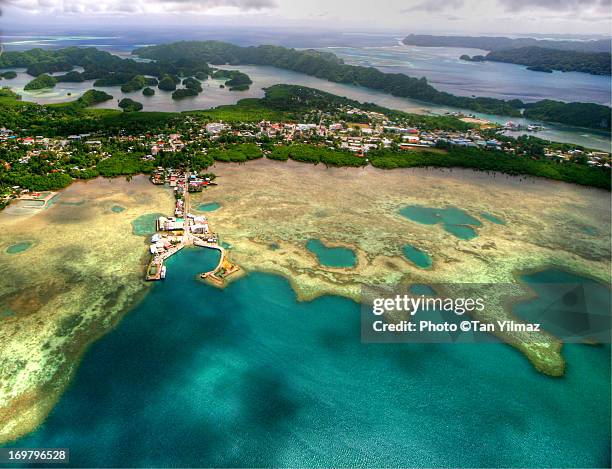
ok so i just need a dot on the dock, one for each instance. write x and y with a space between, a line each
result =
225 268
185 229
156 270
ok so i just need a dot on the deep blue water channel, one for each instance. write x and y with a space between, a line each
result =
248 376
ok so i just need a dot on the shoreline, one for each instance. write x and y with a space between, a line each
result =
303 289
54 390
25 411
474 171
562 133
66 378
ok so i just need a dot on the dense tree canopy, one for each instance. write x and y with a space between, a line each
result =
189 59
41 82
595 63
184 93
136 83
298 103
505 43
129 105
327 66
236 153
167 84
578 114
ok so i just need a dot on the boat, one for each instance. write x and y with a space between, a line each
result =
162 274
511 125
534 128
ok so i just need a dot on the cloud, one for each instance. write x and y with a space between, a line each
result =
137 6
603 6
553 11
434 6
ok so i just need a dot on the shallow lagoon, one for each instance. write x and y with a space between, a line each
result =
493 219
417 256
208 207
578 304
454 220
144 225
248 376
421 289
331 257
19 247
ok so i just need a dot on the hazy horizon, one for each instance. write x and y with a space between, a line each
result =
579 18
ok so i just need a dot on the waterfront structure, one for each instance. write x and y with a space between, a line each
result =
174 233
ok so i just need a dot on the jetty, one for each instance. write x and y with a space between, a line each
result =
225 268
156 269
186 229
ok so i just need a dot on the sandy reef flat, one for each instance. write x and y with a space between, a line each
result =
84 267
270 210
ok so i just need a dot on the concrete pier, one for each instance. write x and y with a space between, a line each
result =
156 269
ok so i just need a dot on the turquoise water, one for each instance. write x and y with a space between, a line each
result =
419 258
590 230
493 219
144 225
19 247
440 65
248 376
331 257
422 289
577 297
7 313
455 221
461 231
117 208
210 207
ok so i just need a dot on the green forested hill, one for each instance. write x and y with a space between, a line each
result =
281 102
328 66
503 43
595 63
191 58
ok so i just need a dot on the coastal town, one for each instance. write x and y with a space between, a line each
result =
360 134
184 228
278 234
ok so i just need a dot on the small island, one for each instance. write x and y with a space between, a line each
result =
137 83
92 97
536 68
184 93
129 105
72 76
41 82
476 58
236 80
539 59
192 84
167 83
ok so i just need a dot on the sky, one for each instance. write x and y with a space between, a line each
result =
398 16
